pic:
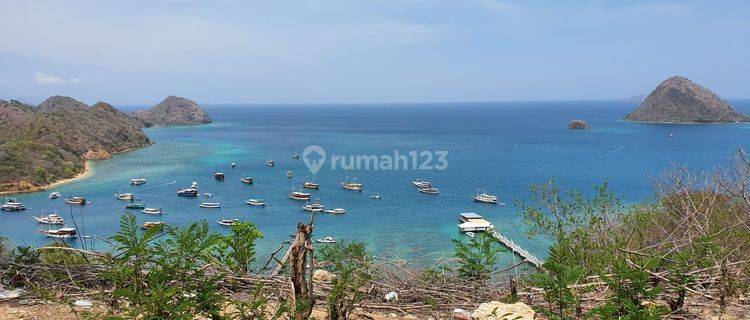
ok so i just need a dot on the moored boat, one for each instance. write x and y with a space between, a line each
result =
422 184
314 207
152 211
54 195
76 200
486 198
255 202
228 222
152 225
352 186
137 181
12 205
429 190
270 163
219 176
188 192
136 205
472 222
311 185
375 196
124 196
50 219
61 233
326 240
289 173
246 180
295 156
208 195
336 211
212 205
234 165
296 195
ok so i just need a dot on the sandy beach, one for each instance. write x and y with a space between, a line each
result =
86 172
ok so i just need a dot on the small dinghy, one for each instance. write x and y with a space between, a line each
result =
137 181
326 240
470 234
228 222
54 195
429 190
295 156
375 196
208 195
62 233
219 176
270 163
289 173
50 219
246 180
76 200
152 211
255 202
136 205
336 211
212 205
352 186
311 185
152 225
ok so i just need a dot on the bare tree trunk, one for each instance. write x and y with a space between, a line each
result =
303 299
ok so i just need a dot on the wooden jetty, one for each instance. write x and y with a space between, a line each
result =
517 249
280 264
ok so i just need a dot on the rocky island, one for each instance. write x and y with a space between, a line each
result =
679 100
579 125
173 111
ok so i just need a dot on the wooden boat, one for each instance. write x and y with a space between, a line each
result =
326 240
219 176
76 200
13 206
314 207
228 222
336 211
429 190
311 185
188 192
296 195
54 195
62 233
136 205
50 219
152 211
270 163
246 180
422 184
212 205
152 224
137 181
486 198
352 186
124 196
255 202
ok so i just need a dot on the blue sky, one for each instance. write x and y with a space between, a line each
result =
137 52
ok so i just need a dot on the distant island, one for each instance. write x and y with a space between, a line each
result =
579 125
173 111
679 100
41 146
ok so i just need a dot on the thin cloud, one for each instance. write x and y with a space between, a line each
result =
4 82
43 78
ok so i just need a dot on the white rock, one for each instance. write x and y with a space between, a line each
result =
496 310
10 294
391 296
321 275
82 303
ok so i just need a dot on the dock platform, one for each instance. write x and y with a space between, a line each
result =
517 249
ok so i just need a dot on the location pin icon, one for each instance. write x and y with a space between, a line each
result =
314 156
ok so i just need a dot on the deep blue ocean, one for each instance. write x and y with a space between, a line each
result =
501 147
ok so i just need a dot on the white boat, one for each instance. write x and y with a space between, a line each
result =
335 211
295 156
289 173
234 165
422 184
152 211
61 233
255 202
314 207
210 205
137 181
194 185
228 222
208 195
13 206
124 196
152 224
326 240
470 234
296 195
54 195
188 192
270 163
352 186
429 190
486 198
51 219
311 185
375 196
76 200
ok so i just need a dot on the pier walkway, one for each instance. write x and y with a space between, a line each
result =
517 249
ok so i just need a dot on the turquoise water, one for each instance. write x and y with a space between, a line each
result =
503 147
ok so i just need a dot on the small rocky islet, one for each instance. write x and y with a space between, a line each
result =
50 142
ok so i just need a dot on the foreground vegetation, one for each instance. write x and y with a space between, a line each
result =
682 253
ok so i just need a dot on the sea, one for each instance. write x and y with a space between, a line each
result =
500 147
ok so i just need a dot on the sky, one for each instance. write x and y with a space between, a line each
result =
371 51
